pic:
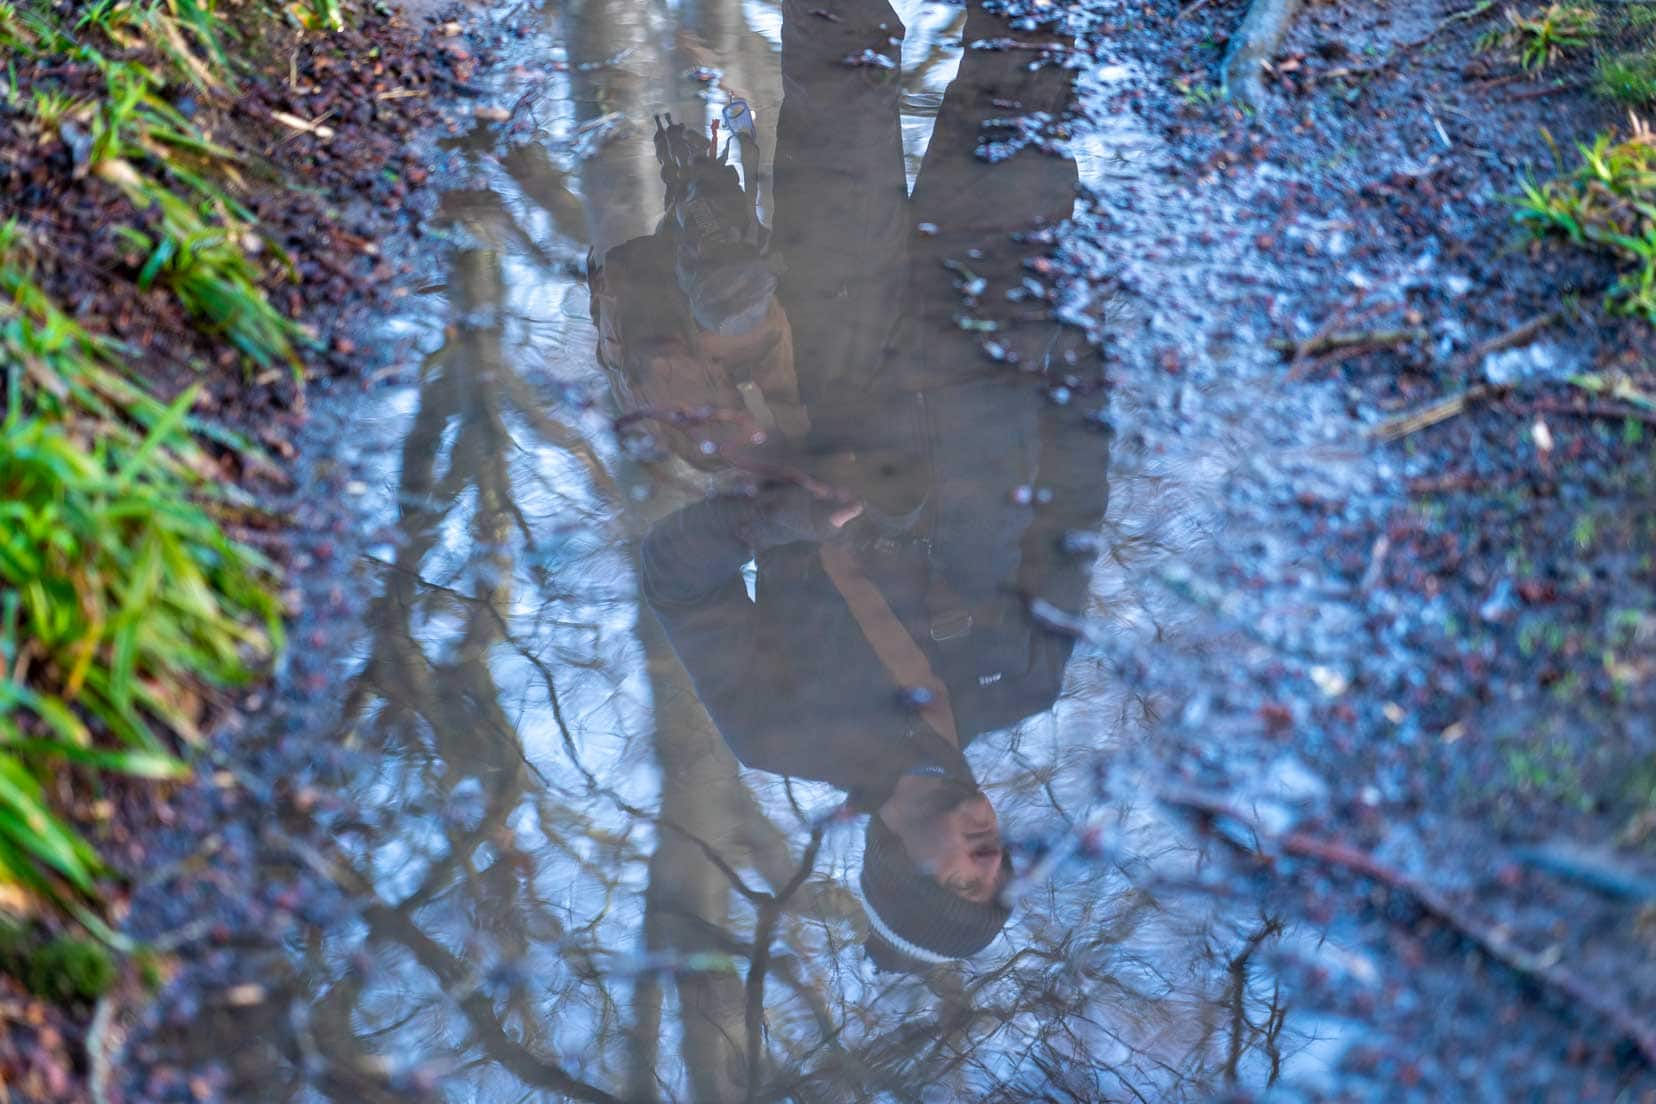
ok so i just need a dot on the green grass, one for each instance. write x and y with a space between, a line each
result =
194 238
1607 204
1627 78
1195 93
320 15
121 598
117 588
1542 37
1626 70
208 270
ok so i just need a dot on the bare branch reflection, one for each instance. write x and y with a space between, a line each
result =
562 872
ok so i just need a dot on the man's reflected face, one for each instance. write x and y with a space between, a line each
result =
951 832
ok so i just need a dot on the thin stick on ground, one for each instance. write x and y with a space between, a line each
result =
1405 49
1521 334
100 1054
1443 409
1488 938
1347 339
1611 411
1191 9
1440 411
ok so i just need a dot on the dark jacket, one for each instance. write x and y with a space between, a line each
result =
790 678
906 414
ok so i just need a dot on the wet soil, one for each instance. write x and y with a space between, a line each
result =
1427 630
1347 791
335 200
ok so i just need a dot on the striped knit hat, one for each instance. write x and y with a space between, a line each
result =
913 922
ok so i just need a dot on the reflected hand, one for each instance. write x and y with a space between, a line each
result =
792 513
845 515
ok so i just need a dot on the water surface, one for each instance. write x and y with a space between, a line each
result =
733 510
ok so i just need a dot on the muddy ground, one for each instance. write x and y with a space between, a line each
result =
348 204
1475 685
1419 671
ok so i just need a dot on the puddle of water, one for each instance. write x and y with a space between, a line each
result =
722 686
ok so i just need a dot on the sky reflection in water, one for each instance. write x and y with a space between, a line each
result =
587 785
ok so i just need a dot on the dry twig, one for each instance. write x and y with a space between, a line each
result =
1490 939
1590 410
1347 339
1440 411
1191 9
1444 409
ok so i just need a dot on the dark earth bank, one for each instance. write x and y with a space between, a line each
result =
342 203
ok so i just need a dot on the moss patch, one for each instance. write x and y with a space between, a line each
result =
62 968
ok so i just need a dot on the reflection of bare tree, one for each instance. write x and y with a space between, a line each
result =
620 184
429 697
675 946
563 886
1240 1025
430 703
689 900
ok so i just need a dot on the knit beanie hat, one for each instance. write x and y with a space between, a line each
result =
913 921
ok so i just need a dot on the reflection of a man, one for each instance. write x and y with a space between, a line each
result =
889 624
